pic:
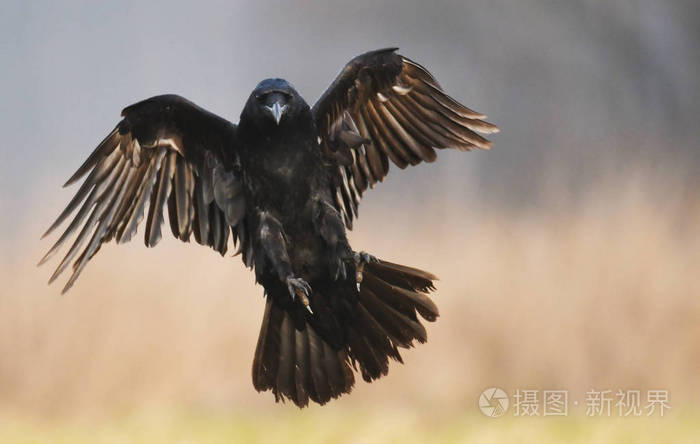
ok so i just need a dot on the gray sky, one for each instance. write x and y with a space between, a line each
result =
578 85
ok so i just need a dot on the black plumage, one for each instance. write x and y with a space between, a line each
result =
285 183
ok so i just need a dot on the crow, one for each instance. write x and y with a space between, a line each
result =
285 183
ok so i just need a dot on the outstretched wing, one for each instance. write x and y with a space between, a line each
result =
165 149
385 106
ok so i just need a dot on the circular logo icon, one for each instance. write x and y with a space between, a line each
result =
493 402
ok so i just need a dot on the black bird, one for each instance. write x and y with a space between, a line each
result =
285 183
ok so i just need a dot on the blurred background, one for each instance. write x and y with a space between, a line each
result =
569 254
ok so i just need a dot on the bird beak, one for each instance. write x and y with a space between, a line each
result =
276 110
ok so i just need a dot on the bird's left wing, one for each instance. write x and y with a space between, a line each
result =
385 106
165 150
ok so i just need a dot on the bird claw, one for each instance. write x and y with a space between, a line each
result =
299 287
367 258
361 259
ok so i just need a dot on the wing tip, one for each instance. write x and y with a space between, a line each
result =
74 178
53 277
43 260
487 127
67 287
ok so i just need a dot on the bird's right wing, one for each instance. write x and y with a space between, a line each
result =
165 149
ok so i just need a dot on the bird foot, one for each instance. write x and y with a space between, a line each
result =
300 288
361 259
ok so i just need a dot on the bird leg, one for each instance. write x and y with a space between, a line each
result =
274 245
329 225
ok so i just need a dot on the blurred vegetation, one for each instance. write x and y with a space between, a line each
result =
351 427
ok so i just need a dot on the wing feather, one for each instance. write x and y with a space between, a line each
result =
155 214
166 150
402 112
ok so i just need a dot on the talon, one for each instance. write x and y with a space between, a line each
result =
361 259
304 300
300 288
368 258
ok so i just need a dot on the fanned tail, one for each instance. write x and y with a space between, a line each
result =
304 357
391 296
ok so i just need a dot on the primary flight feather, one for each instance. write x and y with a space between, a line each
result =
285 183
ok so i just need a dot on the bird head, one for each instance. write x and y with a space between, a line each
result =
273 101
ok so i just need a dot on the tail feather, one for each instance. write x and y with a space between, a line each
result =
287 360
297 364
266 360
403 276
379 336
301 357
402 330
373 363
302 371
322 388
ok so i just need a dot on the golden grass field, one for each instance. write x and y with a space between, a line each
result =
601 291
